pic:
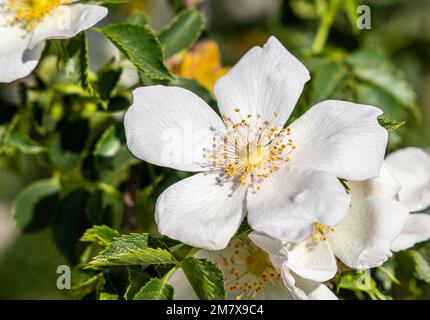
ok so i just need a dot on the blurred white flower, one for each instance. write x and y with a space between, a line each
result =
285 179
254 270
25 25
411 168
7 229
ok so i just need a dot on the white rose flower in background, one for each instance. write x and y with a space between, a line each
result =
378 222
25 25
411 168
254 270
361 240
285 179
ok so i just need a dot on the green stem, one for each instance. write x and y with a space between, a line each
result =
324 27
168 274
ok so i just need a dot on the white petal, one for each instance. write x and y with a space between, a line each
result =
273 247
66 21
181 285
171 127
321 292
16 61
313 260
415 230
268 244
314 290
411 167
342 138
201 211
363 239
290 284
384 185
292 199
264 81
275 290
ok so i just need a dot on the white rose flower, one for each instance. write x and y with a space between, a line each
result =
26 24
377 223
254 270
411 168
285 179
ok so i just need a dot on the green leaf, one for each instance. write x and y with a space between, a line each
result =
108 296
390 125
372 95
414 262
137 278
374 68
71 223
327 78
137 17
182 32
76 65
24 143
109 144
108 79
193 86
140 45
63 160
102 235
359 282
25 203
134 249
205 278
155 289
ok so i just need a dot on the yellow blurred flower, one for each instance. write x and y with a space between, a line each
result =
202 63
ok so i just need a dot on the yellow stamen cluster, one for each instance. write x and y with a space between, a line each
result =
252 149
28 13
321 231
247 269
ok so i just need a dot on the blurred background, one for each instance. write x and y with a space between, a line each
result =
70 137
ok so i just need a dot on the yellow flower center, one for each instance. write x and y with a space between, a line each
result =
251 150
247 270
257 262
28 13
321 231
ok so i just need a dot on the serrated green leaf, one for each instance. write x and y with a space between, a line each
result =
140 45
25 203
134 249
76 65
109 144
155 289
102 235
135 257
389 124
205 278
182 32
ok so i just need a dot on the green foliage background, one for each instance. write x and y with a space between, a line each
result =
64 165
